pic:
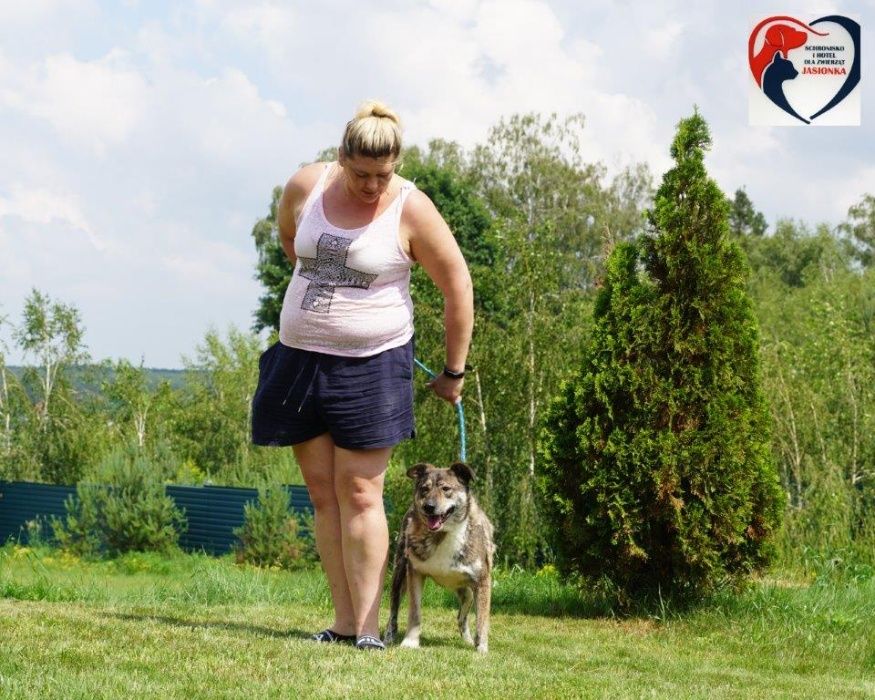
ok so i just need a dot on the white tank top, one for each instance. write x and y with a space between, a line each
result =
350 291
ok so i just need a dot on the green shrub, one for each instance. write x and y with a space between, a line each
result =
81 531
657 469
271 532
127 511
36 532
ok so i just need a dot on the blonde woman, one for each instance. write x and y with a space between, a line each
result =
337 386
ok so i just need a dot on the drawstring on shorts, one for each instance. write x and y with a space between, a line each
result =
314 370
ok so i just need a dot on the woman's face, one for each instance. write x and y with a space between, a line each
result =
367 178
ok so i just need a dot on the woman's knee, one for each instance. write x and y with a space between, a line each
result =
358 479
359 495
316 459
321 490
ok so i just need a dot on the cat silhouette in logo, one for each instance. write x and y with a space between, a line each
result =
774 76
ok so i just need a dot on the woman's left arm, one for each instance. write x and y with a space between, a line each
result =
432 245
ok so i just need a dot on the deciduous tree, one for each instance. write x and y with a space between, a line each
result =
51 331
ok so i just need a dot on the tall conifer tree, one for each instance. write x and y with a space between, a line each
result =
657 468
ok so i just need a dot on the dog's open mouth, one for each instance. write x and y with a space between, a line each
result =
435 522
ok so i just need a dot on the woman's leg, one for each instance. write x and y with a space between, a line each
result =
358 484
316 459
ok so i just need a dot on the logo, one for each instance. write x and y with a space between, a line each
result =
804 72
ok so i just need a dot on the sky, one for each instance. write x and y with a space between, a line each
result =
140 140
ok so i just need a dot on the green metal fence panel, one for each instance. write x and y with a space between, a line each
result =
212 512
21 501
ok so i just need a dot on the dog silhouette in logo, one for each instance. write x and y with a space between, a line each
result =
780 38
774 76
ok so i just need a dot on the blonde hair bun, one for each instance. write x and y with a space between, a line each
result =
375 108
375 132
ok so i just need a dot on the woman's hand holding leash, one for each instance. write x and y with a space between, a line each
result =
448 388
448 385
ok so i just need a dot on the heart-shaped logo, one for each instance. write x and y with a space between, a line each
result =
805 69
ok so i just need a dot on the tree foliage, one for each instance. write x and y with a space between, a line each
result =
657 465
52 332
795 254
819 370
272 268
744 219
125 509
215 414
48 431
271 533
136 409
860 229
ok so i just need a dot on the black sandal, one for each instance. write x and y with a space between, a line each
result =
328 636
367 641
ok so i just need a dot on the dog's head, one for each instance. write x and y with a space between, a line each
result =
440 496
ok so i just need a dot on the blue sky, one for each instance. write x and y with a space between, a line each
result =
141 140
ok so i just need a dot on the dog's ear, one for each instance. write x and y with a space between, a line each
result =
463 472
417 470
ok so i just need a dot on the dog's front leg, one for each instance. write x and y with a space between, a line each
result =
415 582
483 594
466 599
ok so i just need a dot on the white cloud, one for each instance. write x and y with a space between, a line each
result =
662 41
457 10
98 103
209 266
476 64
513 32
272 24
40 206
13 14
226 114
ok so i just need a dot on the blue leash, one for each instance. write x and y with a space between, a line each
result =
463 441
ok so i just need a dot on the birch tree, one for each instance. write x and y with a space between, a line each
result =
51 333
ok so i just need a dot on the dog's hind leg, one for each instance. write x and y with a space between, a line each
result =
399 578
466 600
483 594
415 581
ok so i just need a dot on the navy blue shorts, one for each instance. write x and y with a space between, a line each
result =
363 402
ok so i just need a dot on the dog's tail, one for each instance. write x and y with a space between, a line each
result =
399 579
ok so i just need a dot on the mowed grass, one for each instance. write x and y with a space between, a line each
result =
198 627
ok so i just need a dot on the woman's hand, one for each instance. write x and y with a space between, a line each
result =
447 388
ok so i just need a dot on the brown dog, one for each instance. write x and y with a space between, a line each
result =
444 536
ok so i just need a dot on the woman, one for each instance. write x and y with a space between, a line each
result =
338 386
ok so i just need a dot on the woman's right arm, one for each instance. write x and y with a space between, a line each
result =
291 202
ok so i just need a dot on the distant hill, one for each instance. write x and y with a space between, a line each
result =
87 379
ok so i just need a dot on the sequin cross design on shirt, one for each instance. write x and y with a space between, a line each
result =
327 271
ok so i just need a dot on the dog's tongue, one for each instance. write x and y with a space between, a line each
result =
434 522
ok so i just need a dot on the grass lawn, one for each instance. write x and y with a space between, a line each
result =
148 626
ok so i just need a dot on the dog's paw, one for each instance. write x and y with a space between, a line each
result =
467 638
408 643
482 648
